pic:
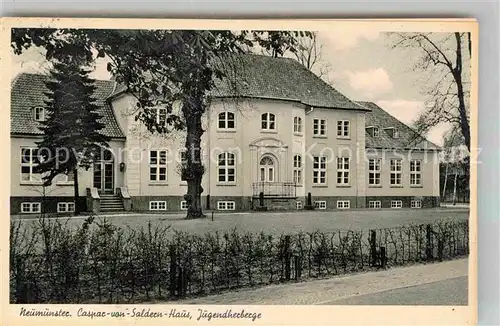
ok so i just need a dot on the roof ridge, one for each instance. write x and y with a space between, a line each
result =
47 76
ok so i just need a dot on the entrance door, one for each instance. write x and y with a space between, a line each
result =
103 177
267 169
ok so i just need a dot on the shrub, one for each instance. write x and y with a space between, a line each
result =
98 262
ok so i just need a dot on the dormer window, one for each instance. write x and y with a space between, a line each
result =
373 131
39 114
392 132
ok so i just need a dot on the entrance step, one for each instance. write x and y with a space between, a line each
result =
275 204
111 203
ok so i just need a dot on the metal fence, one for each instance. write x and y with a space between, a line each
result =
275 189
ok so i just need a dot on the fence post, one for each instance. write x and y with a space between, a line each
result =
286 253
383 258
208 201
440 249
373 247
420 241
298 267
181 283
428 245
173 270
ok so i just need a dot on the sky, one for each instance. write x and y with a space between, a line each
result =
363 66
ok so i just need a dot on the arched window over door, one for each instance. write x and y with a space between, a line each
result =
267 169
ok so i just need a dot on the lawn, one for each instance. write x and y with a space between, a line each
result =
287 222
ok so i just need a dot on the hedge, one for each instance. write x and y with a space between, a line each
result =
101 263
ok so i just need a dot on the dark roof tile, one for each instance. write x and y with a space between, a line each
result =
27 92
408 138
259 76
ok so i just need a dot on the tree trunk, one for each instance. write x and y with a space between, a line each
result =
77 195
457 75
445 181
194 166
455 187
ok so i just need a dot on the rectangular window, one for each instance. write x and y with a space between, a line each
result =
184 205
268 121
416 204
319 127
297 125
158 205
226 169
183 162
297 169
320 204
158 166
343 171
374 172
226 120
31 207
297 176
319 170
376 132
396 204
396 168
415 173
343 204
65 207
298 205
374 204
29 160
343 129
226 205
39 114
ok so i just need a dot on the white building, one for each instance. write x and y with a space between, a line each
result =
286 134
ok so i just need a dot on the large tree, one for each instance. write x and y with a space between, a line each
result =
445 57
72 137
165 68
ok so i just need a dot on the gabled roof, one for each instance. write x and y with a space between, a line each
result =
408 138
27 92
259 76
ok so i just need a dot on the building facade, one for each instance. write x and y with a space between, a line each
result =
286 135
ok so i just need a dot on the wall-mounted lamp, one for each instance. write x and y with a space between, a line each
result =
122 166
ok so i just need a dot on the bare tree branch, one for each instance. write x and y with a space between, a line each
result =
447 96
